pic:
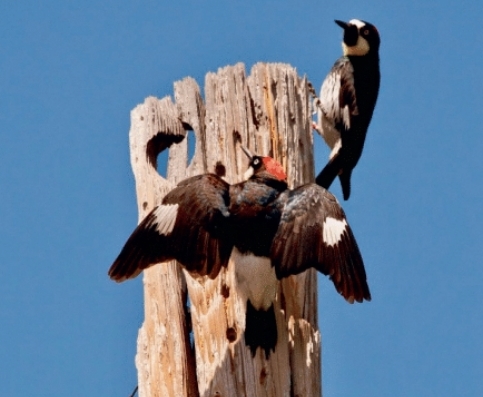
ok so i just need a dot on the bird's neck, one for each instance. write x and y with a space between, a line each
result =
371 58
269 180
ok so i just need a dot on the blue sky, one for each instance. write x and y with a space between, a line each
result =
71 71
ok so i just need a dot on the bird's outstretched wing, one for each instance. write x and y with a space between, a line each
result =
191 226
314 232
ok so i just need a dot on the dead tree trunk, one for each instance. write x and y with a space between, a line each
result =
269 112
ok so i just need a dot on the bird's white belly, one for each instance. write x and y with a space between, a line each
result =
331 135
328 132
256 279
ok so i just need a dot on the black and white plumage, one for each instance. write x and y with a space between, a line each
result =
187 226
347 100
270 232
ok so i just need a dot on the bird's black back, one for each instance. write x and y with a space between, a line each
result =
366 86
255 214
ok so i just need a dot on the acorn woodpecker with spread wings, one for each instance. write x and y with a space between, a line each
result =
270 232
347 100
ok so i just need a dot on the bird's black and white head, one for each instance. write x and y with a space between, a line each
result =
360 38
263 166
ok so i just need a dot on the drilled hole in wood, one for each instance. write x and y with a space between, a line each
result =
162 163
220 169
236 136
231 334
254 111
263 376
158 144
225 291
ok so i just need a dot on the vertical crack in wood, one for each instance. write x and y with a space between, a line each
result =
271 114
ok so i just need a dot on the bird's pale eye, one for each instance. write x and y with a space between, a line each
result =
256 162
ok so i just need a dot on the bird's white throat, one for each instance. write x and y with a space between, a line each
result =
362 46
360 49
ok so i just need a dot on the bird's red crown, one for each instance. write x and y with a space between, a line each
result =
274 168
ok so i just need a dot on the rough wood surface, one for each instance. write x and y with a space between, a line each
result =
269 112
164 360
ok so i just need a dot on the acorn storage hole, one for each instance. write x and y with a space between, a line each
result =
231 334
156 150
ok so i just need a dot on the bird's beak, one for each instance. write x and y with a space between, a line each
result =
247 152
249 172
342 24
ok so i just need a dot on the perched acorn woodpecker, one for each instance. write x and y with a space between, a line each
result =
347 100
270 232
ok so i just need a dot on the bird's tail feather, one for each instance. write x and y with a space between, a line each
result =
345 182
329 173
260 329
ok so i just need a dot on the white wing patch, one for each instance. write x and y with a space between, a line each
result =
165 218
333 229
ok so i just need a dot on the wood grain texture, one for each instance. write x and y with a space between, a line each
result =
269 112
164 359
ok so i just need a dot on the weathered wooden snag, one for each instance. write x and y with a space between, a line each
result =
268 111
